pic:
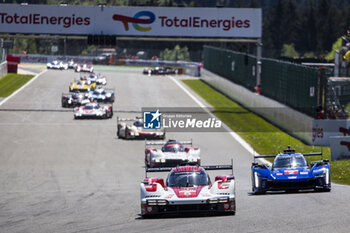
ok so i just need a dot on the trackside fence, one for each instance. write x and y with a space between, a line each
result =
234 66
3 69
291 84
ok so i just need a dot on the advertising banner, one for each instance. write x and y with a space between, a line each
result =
340 148
322 130
131 21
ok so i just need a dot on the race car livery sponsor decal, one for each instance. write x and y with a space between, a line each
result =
291 172
187 192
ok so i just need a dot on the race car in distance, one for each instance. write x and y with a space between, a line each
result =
159 71
72 64
290 172
58 65
92 77
82 86
136 130
93 110
84 68
171 154
188 189
74 99
101 95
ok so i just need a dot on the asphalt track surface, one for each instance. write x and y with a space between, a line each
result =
58 174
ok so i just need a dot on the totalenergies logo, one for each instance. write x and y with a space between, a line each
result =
136 20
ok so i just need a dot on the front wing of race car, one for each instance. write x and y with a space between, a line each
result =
215 204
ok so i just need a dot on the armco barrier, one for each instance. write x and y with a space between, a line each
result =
294 122
3 69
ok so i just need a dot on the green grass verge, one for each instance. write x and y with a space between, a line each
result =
11 82
264 137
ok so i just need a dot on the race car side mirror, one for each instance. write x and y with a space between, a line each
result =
254 164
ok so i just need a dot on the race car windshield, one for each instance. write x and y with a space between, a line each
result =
173 148
77 97
89 107
99 92
289 162
188 179
138 123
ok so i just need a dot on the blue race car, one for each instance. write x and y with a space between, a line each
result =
290 172
101 95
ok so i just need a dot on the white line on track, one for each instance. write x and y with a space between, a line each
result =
238 138
14 93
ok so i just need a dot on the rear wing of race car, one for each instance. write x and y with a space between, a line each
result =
272 156
161 143
125 119
289 151
206 167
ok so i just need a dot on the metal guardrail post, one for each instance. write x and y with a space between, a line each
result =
258 65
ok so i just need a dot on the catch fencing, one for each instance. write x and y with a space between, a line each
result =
291 84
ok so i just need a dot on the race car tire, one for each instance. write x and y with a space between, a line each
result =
118 132
126 133
258 191
146 163
324 189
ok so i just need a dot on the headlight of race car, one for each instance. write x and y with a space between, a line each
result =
218 200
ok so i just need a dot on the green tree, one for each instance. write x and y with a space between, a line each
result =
176 54
288 50
20 45
335 47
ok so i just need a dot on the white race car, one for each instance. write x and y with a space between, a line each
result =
171 154
58 65
84 68
72 64
93 110
188 189
136 130
95 78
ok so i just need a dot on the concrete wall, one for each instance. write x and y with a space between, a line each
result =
292 121
3 69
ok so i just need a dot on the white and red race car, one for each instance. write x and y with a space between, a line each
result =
136 130
93 110
84 68
188 189
171 154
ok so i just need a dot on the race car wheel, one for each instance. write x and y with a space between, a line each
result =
146 163
126 133
324 189
118 132
258 191
111 112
